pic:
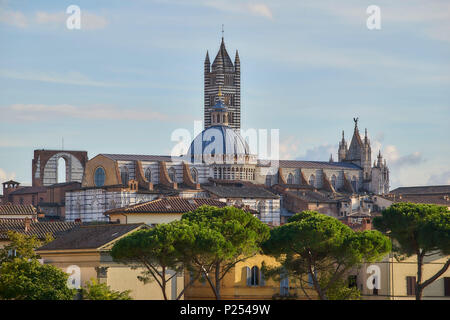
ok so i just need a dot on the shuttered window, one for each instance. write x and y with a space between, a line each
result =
410 286
447 286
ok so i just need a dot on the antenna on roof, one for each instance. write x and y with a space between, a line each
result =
62 143
222 31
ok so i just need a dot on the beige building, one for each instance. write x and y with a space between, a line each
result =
396 279
84 253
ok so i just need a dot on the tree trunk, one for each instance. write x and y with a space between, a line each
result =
320 292
217 281
418 284
163 283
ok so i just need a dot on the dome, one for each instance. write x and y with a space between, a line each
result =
220 106
218 144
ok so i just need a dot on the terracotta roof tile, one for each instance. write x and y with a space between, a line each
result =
168 205
39 229
317 164
18 209
90 237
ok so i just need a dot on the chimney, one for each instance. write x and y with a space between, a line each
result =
27 224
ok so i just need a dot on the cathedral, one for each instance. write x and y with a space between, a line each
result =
220 165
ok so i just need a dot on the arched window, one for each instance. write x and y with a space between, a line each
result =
148 175
173 174
99 177
354 184
284 285
290 179
268 180
194 175
333 181
312 180
253 276
124 175
261 206
61 170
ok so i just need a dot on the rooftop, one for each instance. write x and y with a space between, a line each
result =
422 190
317 164
168 205
39 229
16 209
90 237
240 191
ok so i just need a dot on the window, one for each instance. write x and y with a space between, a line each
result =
61 170
284 285
447 286
290 179
172 174
375 289
268 180
124 175
410 286
354 184
352 281
148 175
99 177
194 175
312 180
254 276
333 181
261 206
12 253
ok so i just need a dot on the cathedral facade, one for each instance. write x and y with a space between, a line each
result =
220 165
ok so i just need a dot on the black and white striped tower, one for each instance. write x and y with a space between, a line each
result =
226 75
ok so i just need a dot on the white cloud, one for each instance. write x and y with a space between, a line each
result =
89 20
440 178
73 78
321 153
261 10
289 148
43 17
42 112
13 18
257 9
5 176
429 18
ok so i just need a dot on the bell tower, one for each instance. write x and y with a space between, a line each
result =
225 75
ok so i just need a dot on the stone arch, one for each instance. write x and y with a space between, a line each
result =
354 184
194 175
290 178
74 169
334 181
173 174
124 175
148 174
312 180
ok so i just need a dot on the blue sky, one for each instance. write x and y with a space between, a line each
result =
134 73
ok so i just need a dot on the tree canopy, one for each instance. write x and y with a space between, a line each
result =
422 230
222 237
21 245
23 279
159 250
322 247
101 291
